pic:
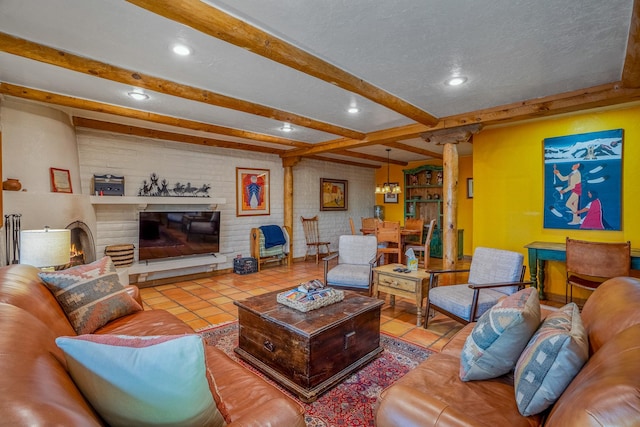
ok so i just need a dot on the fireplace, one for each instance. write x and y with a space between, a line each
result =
83 250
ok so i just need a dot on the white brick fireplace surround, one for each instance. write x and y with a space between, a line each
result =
37 137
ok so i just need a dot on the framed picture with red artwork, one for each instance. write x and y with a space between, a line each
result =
252 192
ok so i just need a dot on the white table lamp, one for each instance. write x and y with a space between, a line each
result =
45 248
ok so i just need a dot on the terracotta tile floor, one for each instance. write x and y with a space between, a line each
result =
209 301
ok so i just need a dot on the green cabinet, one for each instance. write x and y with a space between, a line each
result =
423 199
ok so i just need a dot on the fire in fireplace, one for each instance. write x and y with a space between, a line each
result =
82 244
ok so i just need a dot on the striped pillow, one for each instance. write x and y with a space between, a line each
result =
91 295
554 356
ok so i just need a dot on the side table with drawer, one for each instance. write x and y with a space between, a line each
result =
409 285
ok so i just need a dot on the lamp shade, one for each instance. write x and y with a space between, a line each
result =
45 248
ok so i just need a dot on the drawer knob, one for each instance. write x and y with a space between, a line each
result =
269 346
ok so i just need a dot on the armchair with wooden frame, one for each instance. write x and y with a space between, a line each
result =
493 274
591 263
355 260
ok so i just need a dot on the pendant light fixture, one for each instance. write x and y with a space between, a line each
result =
388 187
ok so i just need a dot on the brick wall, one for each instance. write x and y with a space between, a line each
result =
136 158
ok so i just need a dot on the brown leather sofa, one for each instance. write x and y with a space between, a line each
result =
604 393
36 389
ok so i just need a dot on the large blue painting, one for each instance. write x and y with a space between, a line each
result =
583 181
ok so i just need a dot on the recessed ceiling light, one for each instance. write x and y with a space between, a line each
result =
286 128
353 110
456 81
138 96
181 50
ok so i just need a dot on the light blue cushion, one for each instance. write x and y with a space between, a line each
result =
143 381
349 275
457 299
553 357
491 265
354 256
357 249
497 340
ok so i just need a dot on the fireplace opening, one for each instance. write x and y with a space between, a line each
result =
82 245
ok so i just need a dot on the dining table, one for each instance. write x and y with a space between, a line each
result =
403 234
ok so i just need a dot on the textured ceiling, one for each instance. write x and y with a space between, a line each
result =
510 51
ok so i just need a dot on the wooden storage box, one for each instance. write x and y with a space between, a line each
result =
108 185
309 353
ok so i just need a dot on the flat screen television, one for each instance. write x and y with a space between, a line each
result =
178 234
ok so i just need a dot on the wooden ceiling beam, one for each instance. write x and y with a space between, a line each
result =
373 138
416 150
370 157
82 122
568 102
631 69
216 23
84 104
341 161
48 55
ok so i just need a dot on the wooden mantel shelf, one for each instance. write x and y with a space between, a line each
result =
145 201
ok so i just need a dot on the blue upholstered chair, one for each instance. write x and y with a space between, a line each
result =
493 274
355 260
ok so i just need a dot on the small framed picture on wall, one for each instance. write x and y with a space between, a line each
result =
392 197
60 180
333 194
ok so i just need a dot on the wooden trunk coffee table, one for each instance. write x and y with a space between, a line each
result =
308 353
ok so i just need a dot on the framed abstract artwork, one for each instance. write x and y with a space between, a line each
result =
252 192
333 194
583 181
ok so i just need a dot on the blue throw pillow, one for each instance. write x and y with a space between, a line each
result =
143 381
554 356
498 338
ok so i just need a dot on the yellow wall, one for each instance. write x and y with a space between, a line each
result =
395 212
508 200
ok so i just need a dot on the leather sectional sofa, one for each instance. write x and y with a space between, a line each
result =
37 390
605 392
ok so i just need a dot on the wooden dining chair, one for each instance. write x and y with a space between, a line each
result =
591 263
389 240
423 250
312 237
417 226
353 227
369 225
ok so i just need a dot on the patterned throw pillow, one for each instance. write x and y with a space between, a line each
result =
554 356
143 381
497 340
91 295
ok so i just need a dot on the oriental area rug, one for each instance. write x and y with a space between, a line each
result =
352 402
